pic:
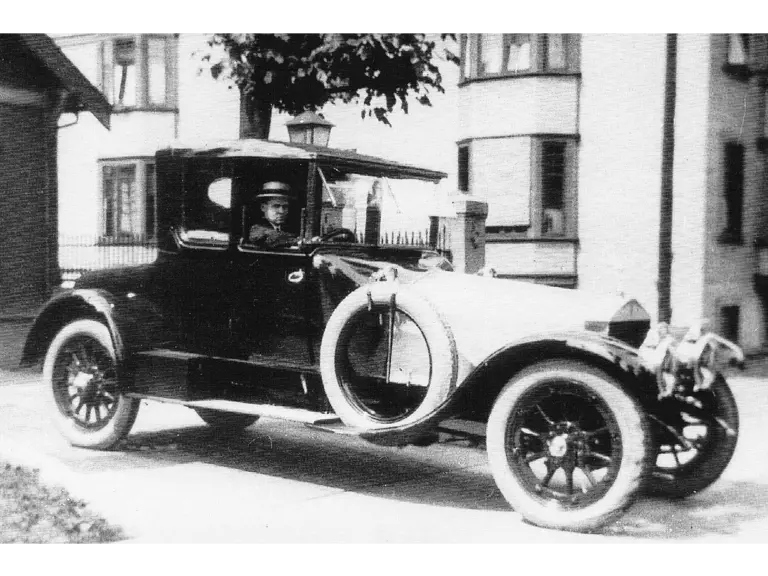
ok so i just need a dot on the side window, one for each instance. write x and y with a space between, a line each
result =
207 210
734 193
463 168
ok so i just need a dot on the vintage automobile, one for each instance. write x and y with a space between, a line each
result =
585 405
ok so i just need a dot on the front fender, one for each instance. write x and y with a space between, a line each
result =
476 393
479 388
131 321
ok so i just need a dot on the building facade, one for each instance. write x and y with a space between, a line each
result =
561 134
38 85
159 95
564 136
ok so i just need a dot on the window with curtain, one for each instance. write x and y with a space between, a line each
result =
129 201
553 183
139 71
124 73
493 55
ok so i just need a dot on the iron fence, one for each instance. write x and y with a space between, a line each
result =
78 254
436 237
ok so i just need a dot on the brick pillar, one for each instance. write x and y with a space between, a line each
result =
468 234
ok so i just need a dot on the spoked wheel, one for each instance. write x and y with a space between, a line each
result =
568 448
80 368
225 421
695 439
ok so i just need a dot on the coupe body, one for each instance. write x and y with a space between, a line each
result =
388 343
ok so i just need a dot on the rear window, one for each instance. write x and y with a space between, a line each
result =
206 212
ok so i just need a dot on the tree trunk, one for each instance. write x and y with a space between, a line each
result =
667 166
255 117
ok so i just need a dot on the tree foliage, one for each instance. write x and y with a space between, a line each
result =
294 73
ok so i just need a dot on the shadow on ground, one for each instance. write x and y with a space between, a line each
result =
722 510
456 476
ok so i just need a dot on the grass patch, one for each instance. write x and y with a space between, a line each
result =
33 513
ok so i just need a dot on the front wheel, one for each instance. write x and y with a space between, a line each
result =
80 369
568 447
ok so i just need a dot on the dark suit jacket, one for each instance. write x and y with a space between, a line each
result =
265 235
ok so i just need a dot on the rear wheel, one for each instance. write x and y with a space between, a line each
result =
567 446
694 442
80 369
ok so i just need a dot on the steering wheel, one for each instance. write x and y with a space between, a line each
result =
339 235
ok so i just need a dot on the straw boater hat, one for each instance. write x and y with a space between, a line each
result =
275 190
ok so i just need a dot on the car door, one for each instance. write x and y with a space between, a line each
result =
270 306
191 289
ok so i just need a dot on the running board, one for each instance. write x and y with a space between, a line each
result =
265 410
254 360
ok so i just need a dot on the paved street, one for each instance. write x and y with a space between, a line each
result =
177 482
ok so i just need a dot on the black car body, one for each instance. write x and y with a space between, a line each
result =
341 333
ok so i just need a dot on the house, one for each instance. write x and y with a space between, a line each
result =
159 95
573 140
37 85
564 134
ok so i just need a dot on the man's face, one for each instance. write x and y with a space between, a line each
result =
276 210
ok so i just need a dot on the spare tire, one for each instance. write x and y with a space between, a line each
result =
356 350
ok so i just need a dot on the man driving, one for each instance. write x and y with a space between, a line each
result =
275 201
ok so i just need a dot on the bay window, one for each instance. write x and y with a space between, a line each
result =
493 55
529 182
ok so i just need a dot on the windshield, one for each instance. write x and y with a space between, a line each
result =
376 208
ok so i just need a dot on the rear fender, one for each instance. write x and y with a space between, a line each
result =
131 321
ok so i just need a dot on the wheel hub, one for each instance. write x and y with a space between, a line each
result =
81 380
558 446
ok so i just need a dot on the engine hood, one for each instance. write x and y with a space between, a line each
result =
488 314
484 314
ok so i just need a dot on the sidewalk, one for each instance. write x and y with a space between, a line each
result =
175 481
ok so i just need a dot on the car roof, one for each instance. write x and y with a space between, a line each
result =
267 149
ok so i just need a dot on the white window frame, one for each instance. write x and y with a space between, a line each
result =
552 223
140 234
142 99
472 56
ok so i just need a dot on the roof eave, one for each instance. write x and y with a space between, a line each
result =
88 97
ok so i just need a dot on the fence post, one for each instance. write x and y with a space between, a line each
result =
468 234
434 227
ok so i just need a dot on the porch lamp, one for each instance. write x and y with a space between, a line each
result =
309 128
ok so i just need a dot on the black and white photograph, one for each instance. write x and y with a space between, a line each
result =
383 288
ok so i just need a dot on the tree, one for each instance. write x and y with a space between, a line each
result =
295 73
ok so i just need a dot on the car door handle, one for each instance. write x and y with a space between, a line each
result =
296 277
